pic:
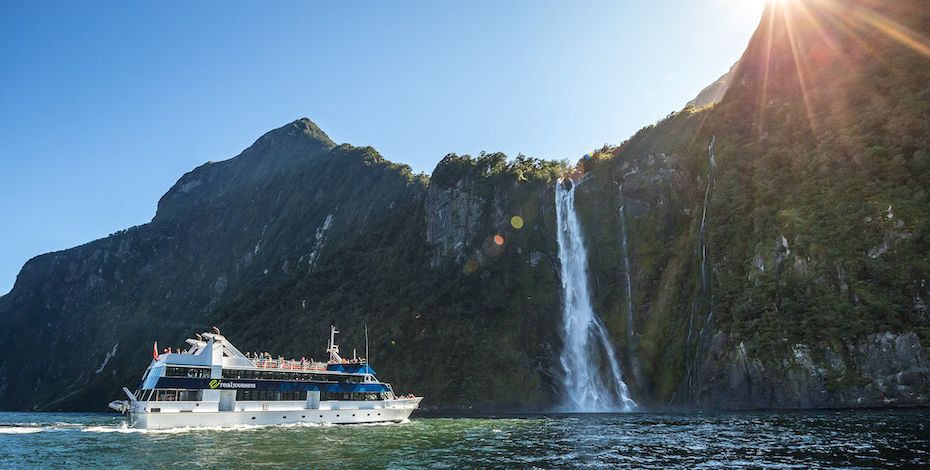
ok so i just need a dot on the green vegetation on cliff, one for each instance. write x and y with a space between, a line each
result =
817 222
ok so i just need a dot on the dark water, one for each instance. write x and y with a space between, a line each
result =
730 440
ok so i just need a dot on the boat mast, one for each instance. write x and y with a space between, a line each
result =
333 349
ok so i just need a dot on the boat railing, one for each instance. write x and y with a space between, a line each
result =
287 364
294 364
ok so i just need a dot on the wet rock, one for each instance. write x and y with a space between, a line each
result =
453 216
879 370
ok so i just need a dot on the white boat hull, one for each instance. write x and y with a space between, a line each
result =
392 411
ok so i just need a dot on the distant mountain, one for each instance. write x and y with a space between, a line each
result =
713 93
779 247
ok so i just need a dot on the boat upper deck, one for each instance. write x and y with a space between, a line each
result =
357 366
212 349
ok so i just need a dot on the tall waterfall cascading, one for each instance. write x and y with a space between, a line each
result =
631 344
705 274
586 344
628 277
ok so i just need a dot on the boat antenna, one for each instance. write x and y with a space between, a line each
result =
367 357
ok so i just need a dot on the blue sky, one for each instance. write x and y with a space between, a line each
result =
104 105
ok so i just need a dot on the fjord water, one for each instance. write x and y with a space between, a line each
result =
888 438
586 346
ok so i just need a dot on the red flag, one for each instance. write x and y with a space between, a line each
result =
155 350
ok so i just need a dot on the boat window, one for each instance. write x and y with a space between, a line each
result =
243 374
349 396
251 374
189 395
195 372
269 395
176 395
293 396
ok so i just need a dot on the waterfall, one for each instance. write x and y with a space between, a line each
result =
587 346
705 276
627 273
631 346
705 273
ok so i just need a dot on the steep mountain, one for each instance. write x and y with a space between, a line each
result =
778 246
276 244
779 239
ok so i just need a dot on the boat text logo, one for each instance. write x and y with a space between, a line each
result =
216 383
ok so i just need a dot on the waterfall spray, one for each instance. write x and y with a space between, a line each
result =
587 345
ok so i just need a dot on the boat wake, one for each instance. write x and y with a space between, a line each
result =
20 429
123 428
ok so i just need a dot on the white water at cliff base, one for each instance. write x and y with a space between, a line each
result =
590 387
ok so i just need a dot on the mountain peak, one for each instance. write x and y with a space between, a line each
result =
277 151
299 127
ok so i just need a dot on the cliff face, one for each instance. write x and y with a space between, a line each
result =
778 239
778 246
264 221
293 235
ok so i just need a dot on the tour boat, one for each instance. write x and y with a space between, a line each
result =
213 384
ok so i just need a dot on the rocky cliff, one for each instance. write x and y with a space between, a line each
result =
779 239
771 250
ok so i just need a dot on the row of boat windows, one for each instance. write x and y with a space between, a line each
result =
280 375
270 395
169 395
255 395
354 396
200 372
195 372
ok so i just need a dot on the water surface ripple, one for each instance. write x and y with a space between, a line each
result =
899 438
